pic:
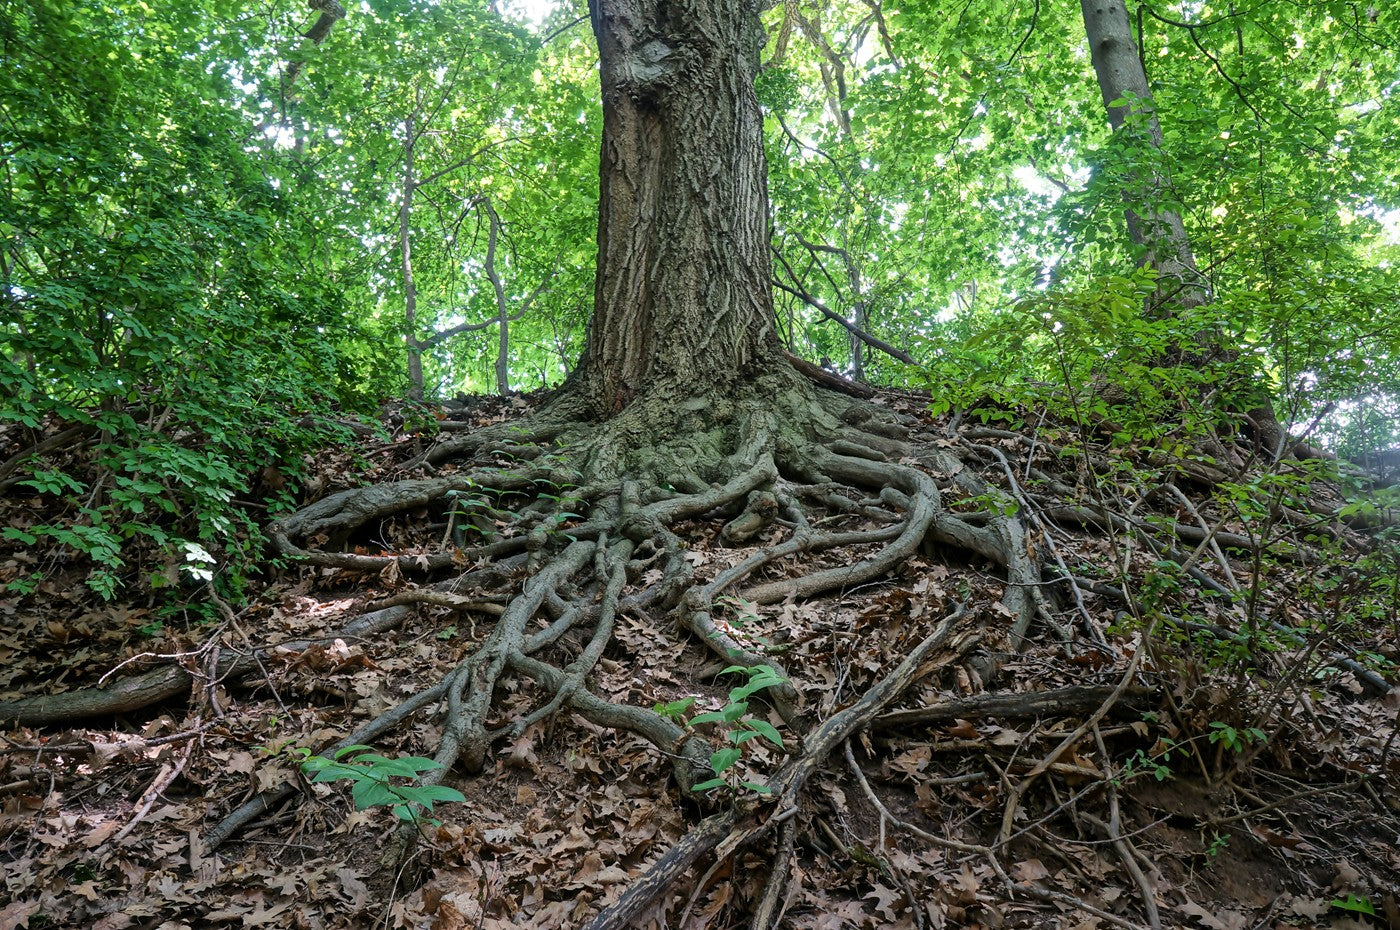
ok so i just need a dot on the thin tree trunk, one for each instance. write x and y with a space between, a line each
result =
410 288
683 294
1159 231
331 12
1180 285
858 318
502 308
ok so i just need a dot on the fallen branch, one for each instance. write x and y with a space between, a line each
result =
169 681
728 830
1057 702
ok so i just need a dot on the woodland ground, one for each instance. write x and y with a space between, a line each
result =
1156 752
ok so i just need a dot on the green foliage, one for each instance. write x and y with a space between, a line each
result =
1233 739
737 726
372 779
157 294
1154 763
1354 903
674 710
1218 844
197 256
971 207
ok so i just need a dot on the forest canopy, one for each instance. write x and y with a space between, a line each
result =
187 190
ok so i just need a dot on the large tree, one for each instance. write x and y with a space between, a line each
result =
683 418
683 408
683 297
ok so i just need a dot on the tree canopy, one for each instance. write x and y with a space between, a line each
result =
943 178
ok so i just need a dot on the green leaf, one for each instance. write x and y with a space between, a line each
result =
1354 903
722 760
437 793
358 747
766 729
733 712
369 793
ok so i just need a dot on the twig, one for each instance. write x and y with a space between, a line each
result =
168 774
1120 843
130 745
1053 756
1280 802
726 832
1059 897
776 893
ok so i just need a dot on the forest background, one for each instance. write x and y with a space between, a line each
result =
219 236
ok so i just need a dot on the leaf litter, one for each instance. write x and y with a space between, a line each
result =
101 825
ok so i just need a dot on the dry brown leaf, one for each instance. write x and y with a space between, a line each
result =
243 762
100 833
1221 919
355 890
885 898
1030 870
1310 908
962 729
1347 876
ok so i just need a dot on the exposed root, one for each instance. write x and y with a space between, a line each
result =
587 528
726 832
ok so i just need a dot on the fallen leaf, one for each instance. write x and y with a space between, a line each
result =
1030 870
101 833
355 890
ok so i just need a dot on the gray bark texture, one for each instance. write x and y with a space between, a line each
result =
682 296
1159 231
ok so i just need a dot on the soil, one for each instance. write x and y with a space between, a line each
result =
1124 806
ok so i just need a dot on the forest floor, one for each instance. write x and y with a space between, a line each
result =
1202 767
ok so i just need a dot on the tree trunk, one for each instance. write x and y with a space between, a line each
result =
683 293
502 307
1159 231
410 287
1180 286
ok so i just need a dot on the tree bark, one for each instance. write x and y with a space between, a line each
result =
410 287
683 293
502 307
1159 231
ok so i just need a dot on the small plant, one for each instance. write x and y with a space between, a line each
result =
674 710
372 780
1233 739
1354 903
739 727
1140 763
746 618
